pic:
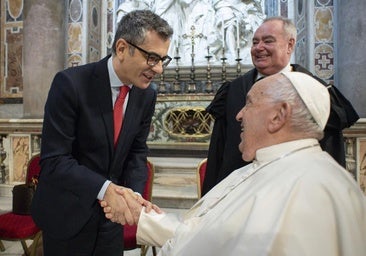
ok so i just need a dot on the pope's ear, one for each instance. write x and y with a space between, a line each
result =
279 117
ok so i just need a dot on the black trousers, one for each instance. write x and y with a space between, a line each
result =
99 237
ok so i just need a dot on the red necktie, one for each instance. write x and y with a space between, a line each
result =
118 111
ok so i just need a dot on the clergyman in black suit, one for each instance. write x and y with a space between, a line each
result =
80 163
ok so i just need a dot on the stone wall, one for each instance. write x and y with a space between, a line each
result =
350 52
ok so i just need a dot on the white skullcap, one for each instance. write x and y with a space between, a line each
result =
314 94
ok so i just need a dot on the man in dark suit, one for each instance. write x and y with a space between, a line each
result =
273 44
80 162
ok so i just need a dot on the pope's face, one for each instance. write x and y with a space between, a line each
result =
133 68
254 118
271 48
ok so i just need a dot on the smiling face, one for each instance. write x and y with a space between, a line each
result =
272 48
133 68
256 120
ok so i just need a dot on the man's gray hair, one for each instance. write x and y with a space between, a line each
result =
288 26
301 120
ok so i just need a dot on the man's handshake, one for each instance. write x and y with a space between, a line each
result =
122 205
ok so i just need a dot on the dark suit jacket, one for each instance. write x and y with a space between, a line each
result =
77 151
224 155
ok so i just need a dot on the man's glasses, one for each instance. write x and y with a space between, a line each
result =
152 58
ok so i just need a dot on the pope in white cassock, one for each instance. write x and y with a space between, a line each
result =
294 199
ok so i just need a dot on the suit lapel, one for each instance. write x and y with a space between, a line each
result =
102 92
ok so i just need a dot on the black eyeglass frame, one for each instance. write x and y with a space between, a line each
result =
152 58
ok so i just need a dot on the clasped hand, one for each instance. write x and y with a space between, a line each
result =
122 205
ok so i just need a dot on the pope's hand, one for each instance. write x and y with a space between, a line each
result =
135 203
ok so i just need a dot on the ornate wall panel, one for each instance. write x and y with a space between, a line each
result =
301 52
109 36
284 8
94 34
75 33
181 119
315 41
84 31
324 40
11 35
19 141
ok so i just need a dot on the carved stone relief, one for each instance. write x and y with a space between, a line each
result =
222 27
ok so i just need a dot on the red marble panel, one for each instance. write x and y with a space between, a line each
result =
14 65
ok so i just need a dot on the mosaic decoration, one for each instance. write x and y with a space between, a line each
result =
11 35
284 8
84 45
94 31
301 51
110 26
324 66
324 25
324 41
75 34
319 57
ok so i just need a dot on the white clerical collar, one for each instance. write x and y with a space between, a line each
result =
288 68
270 153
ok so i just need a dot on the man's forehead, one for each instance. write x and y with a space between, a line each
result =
266 80
269 28
259 89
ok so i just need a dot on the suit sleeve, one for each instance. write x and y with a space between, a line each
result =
66 193
58 139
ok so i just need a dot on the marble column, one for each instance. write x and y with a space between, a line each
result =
351 56
44 49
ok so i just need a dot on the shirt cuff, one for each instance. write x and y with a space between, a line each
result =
103 190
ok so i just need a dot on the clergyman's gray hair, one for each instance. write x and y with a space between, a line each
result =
288 26
301 119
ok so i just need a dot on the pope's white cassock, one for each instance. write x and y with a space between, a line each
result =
294 199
